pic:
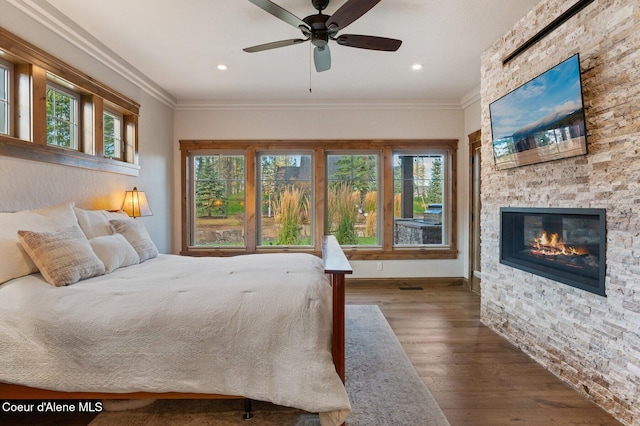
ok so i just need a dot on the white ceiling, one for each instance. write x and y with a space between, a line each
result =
179 43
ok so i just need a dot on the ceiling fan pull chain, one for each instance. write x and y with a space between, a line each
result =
310 73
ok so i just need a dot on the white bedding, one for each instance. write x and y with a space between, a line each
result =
183 324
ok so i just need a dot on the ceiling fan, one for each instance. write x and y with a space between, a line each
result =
320 28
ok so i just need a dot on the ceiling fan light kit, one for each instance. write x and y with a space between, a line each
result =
320 28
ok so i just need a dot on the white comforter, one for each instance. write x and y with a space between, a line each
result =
258 326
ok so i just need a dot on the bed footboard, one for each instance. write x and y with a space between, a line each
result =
337 265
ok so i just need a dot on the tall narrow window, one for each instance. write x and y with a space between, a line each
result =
112 135
352 198
419 200
4 97
286 200
218 200
62 117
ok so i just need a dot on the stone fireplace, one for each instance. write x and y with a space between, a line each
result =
588 340
565 245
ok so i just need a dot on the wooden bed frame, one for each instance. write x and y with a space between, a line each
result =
335 264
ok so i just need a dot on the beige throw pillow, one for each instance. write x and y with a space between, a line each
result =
95 223
114 251
63 257
14 261
138 236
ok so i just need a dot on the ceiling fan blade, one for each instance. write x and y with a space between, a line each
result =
279 12
322 58
349 12
274 45
369 42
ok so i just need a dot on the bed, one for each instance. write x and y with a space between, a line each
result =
267 327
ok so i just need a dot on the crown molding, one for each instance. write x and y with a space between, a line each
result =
48 16
471 97
440 104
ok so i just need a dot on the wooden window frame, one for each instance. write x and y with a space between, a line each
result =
320 148
32 69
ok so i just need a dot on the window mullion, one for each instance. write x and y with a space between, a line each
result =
319 188
388 194
93 127
252 205
38 105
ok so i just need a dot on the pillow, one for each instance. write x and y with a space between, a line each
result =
114 251
95 223
63 257
137 235
14 261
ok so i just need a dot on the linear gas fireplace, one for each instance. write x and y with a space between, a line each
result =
565 245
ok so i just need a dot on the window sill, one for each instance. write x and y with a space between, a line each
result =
18 148
359 254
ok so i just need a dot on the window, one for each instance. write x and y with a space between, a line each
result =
52 112
5 80
382 199
218 200
112 134
62 117
286 200
418 201
352 198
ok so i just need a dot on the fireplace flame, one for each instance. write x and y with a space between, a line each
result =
553 246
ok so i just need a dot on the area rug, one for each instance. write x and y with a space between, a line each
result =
383 387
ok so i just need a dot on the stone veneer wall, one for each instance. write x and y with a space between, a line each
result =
592 342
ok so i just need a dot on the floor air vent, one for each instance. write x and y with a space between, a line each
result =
411 288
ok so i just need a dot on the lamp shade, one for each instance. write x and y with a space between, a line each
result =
135 204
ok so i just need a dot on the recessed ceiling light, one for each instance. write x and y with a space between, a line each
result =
222 67
416 67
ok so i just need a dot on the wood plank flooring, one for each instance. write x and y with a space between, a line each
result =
477 377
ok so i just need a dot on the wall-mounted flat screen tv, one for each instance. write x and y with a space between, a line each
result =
541 120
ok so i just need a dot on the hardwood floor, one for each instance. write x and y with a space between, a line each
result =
477 377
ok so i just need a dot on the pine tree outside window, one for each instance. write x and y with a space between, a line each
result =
62 117
219 200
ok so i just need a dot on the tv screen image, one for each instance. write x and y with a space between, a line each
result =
541 120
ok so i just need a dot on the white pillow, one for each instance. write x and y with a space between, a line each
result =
138 236
114 251
95 223
63 257
14 261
